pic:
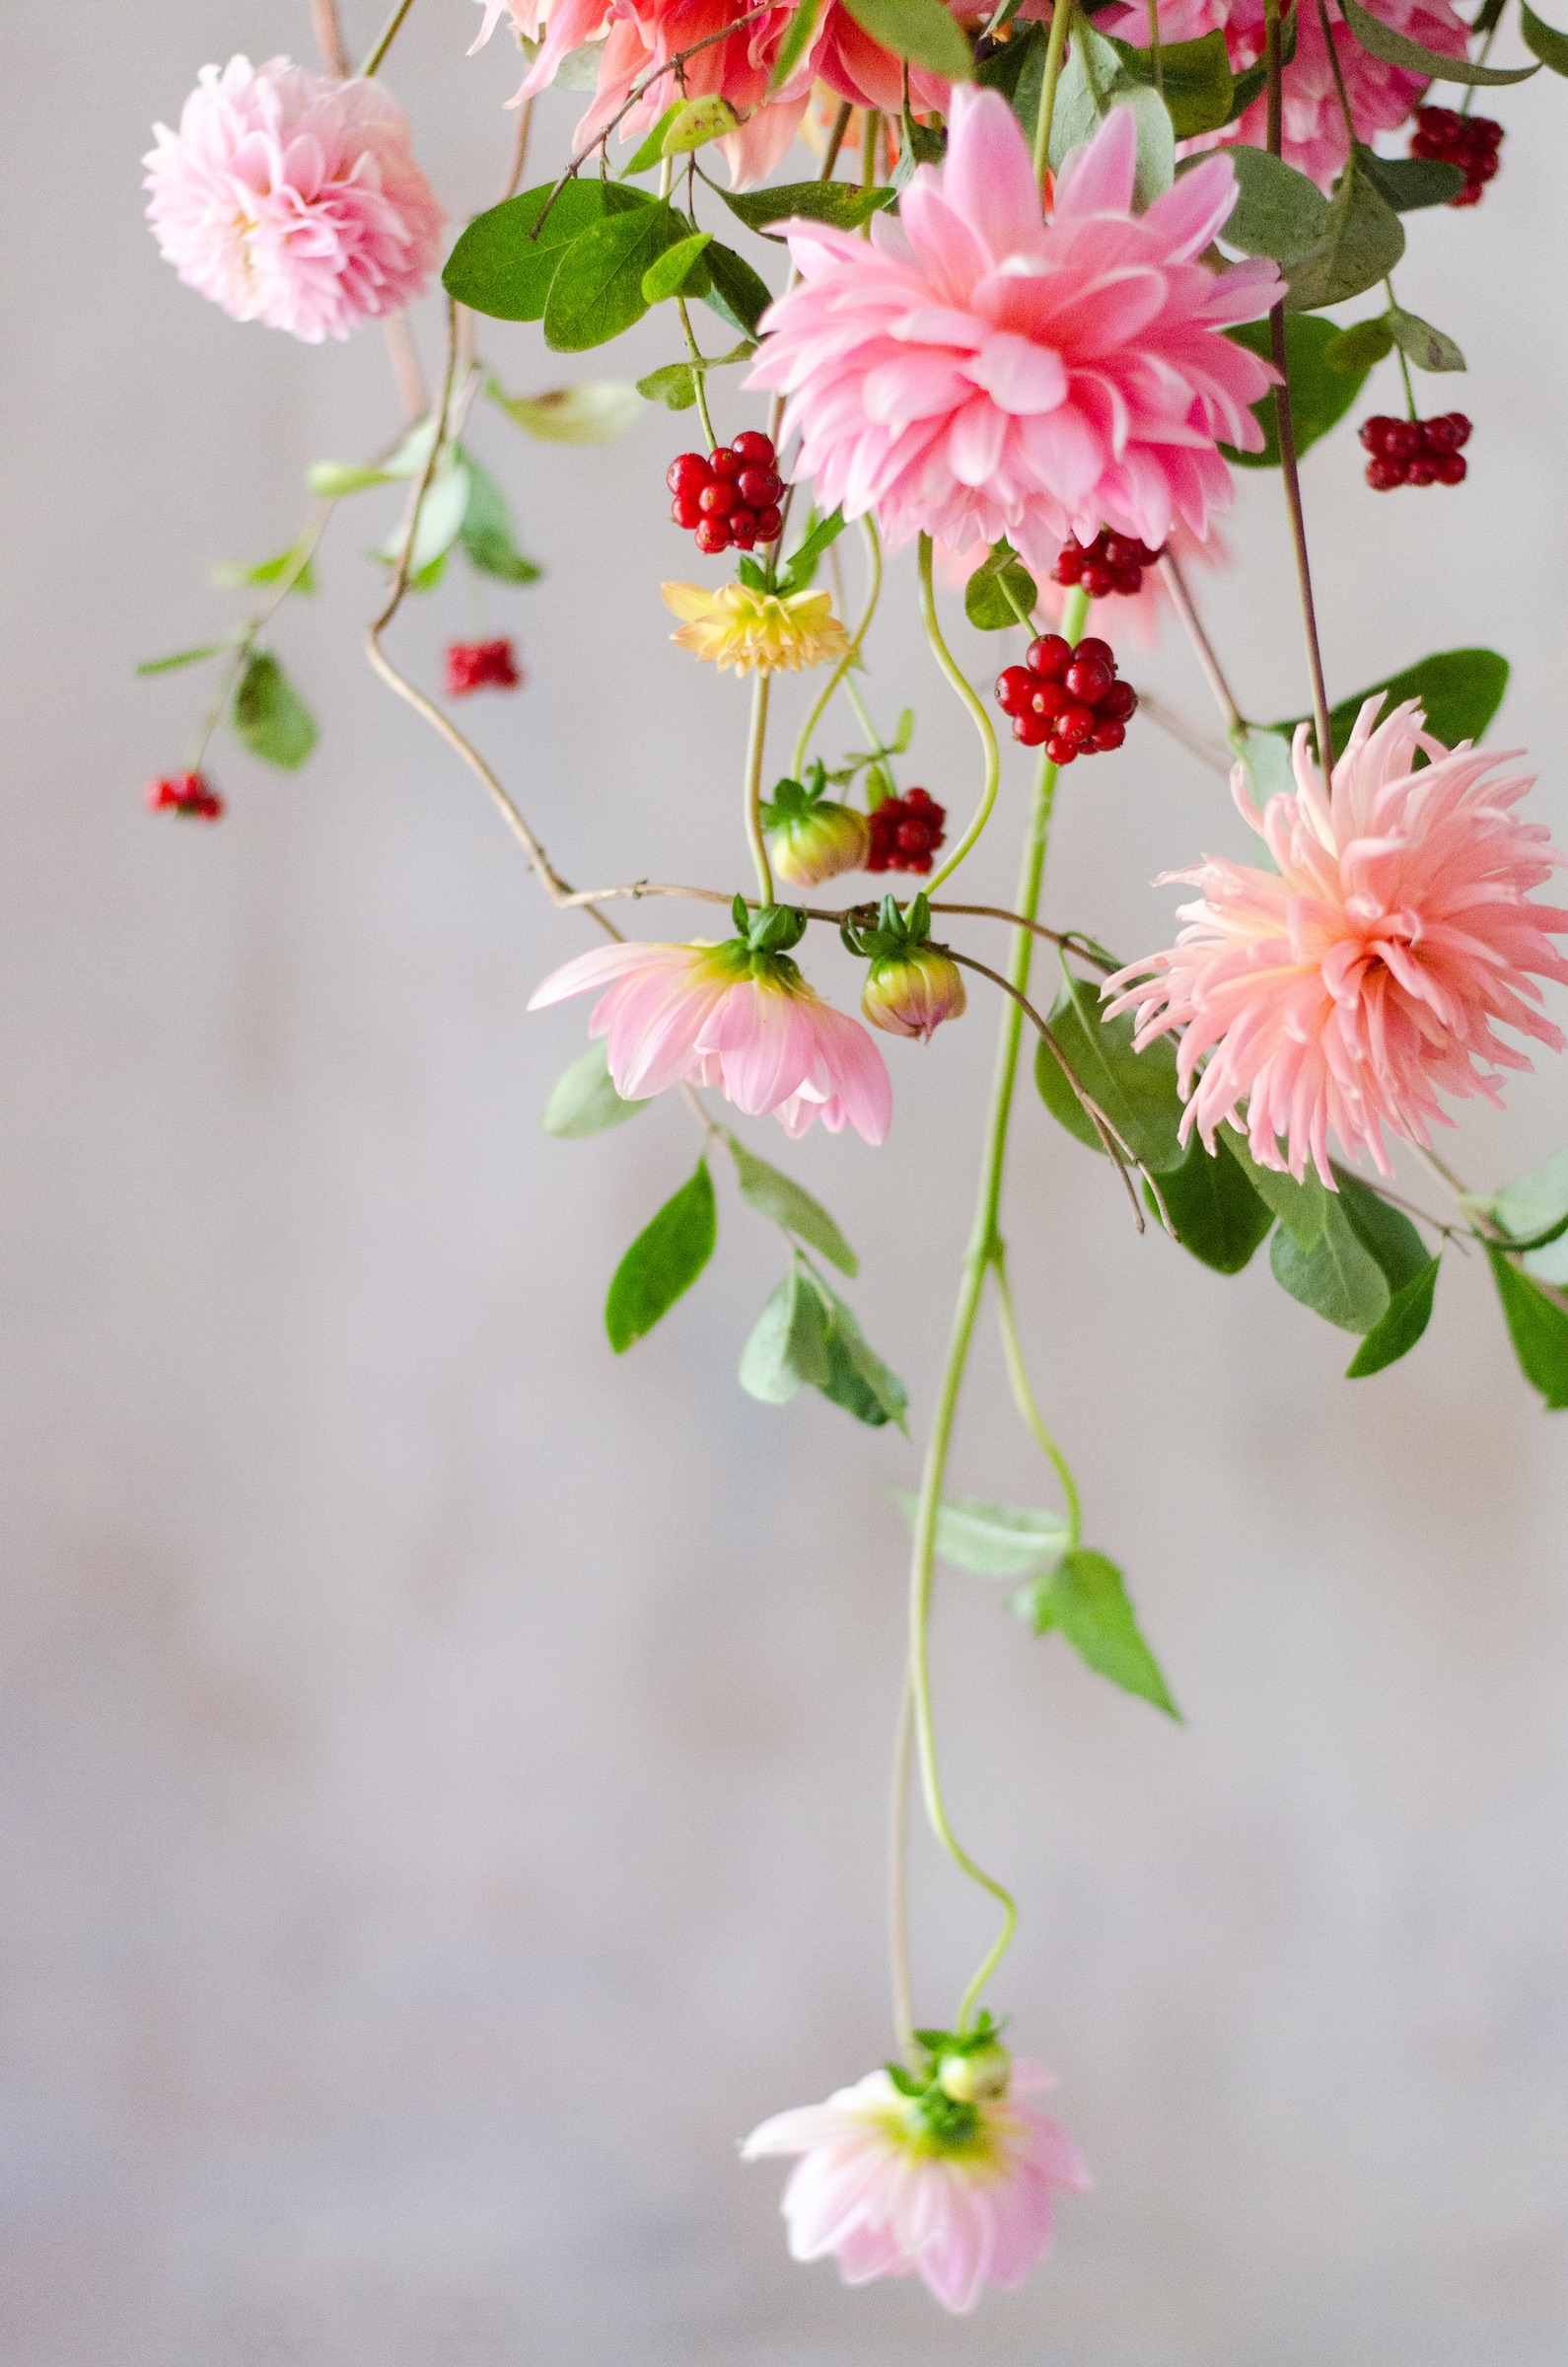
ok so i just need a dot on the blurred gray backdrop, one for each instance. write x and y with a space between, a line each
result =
444 1766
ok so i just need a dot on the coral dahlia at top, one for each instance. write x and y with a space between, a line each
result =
1001 323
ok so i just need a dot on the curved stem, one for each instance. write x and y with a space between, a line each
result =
1024 1400
754 745
977 713
873 552
1056 51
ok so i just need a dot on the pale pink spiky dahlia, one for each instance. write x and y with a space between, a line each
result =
293 200
960 2201
1343 990
746 1023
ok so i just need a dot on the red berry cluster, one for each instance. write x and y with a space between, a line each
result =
905 832
1471 142
1415 452
481 666
1111 564
184 793
1068 701
729 496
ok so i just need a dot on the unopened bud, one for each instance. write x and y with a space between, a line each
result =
911 992
819 842
976 2077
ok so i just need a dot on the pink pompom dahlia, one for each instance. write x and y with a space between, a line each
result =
1344 989
972 371
951 2182
731 1017
293 200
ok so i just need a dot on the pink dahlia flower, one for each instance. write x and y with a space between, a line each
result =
1361 976
972 371
293 200
1313 122
721 1015
962 2196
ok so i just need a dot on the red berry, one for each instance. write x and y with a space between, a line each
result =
1069 565
1421 470
1373 432
753 449
481 666
1451 468
769 525
184 793
1129 581
1384 476
1401 439
688 472
1015 687
713 536
1032 730
1119 704
726 462
1075 723
1111 564
1091 646
1097 580
686 510
1106 737
1050 656
905 832
759 488
718 499
1089 678
1061 751
1469 141
743 528
1049 699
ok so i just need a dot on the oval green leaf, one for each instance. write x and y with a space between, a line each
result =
662 1262
269 716
1537 1327
501 268
597 291
1409 1313
788 1204
1137 1091
584 1101
1397 49
1322 388
921 30
1219 1218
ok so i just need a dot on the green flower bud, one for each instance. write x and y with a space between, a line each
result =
818 843
912 991
976 2076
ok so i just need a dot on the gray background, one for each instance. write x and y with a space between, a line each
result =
443 1779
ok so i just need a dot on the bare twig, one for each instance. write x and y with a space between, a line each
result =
404 355
1204 648
329 37
1177 727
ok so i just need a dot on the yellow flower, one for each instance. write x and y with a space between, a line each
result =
737 627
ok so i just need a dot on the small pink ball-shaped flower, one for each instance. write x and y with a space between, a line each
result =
911 992
293 200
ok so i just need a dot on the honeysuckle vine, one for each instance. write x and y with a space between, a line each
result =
1028 349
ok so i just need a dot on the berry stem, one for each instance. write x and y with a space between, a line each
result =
756 740
1024 1400
1469 100
979 1260
981 720
1404 366
842 669
1055 51
390 32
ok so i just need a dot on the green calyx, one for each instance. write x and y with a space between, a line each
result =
956 2073
795 801
760 946
894 933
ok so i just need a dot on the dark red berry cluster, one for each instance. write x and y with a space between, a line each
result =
1416 452
184 793
481 666
1471 142
1068 701
731 495
1111 564
905 832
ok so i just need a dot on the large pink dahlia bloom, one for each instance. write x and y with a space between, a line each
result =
1348 986
293 200
877 2187
972 371
746 1023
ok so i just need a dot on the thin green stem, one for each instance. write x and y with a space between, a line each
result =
699 372
1404 366
1469 100
756 744
1024 1400
979 1260
978 715
874 557
1156 57
1339 85
390 32
899 1873
1055 51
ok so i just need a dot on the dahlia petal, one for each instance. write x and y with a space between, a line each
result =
990 177
1098 178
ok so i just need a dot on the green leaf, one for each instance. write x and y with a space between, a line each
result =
1410 182
788 1203
442 515
1537 1327
1092 81
1336 1277
674 386
820 532
1278 212
1000 592
839 202
1365 238
486 534
1384 1232
500 268
1535 1208
662 1262
1085 1600
234 573
992 1540
652 150
737 295
797 40
922 30
857 1378
584 1101
1461 690
597 291
1218 1216
183 657
269 717
1321 389
594 413
697 122
1195 79
1421 343
331 480
1397 49
1137 1091
1395 1334
1546 42
1354 350
679 270
788 1350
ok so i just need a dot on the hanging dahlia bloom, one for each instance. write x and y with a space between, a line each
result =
293 200
755 631
1344 989
956 2189
972 371
727 1016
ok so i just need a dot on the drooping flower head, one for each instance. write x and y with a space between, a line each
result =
811 836
293 200
1345 989
737 1015
947 2175
755 631
912 985
972 371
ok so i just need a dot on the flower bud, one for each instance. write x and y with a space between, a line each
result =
975 2077
818 843
911 992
